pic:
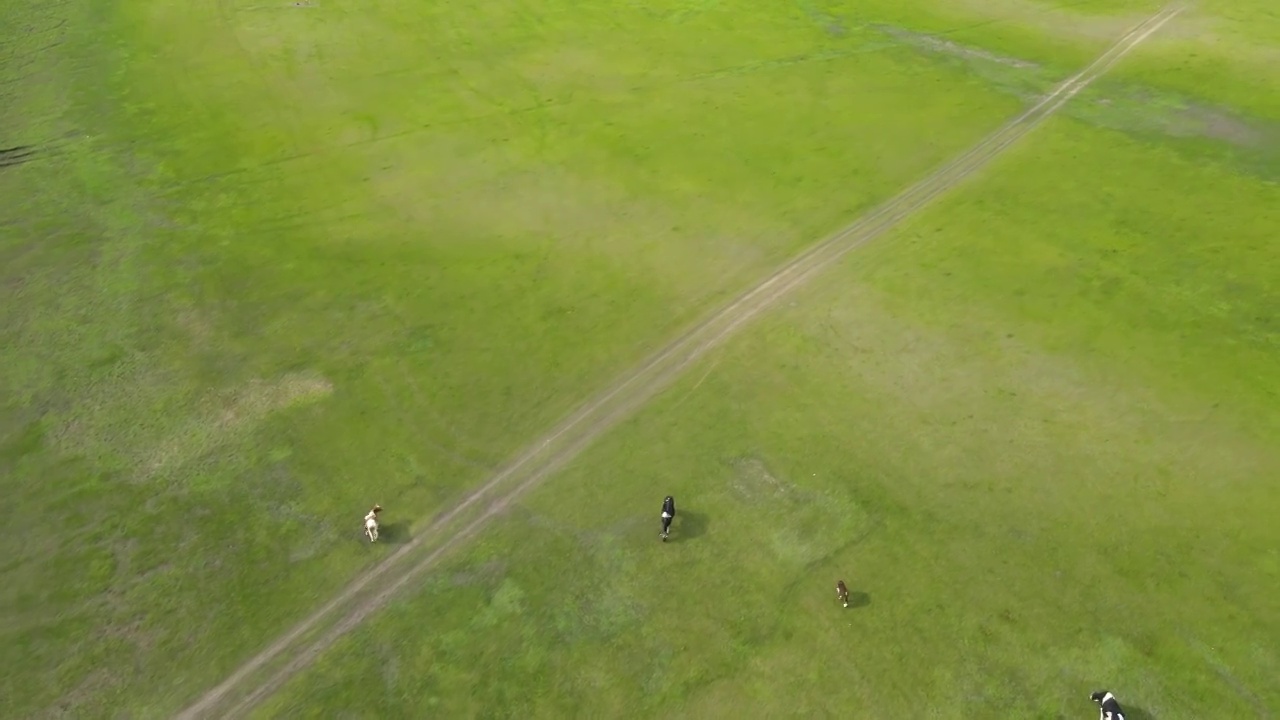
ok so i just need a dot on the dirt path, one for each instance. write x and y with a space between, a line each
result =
284 658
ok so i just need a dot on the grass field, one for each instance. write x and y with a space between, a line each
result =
265 264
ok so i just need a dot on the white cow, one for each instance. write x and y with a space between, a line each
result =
371 523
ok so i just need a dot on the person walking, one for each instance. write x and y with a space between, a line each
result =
668 514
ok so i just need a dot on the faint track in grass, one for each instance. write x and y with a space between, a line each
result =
280 661
15 156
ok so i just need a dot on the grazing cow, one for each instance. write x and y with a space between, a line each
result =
668 514
371 523
1110 707
842 592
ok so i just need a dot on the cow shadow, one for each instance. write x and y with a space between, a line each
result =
858 599
689 526
394 533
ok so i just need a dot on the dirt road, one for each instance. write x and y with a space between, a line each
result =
289 654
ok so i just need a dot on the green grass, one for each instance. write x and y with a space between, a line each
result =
987 425
274 263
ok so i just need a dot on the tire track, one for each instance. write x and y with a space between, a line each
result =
279 662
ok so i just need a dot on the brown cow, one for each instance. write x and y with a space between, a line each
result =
842 592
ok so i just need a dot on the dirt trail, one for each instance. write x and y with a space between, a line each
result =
276 664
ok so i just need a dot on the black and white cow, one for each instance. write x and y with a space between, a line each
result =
1110 706
668 514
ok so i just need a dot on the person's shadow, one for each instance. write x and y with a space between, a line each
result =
688 526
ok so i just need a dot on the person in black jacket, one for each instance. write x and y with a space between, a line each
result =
668 514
